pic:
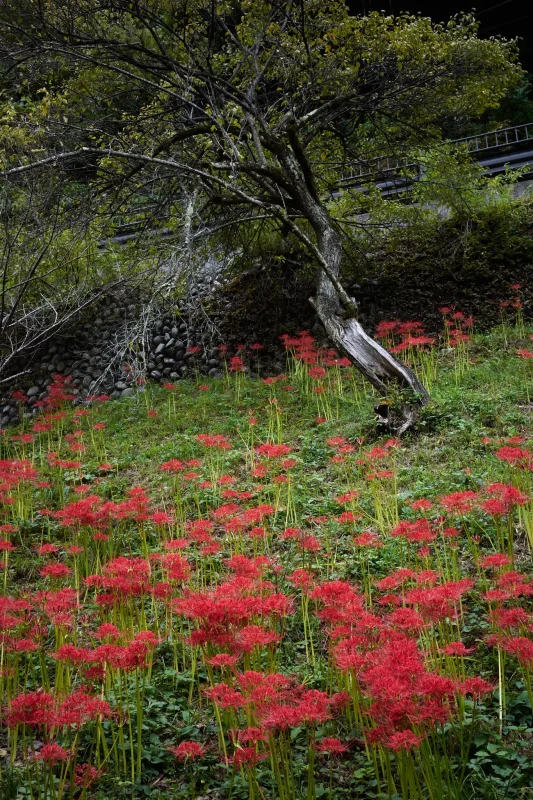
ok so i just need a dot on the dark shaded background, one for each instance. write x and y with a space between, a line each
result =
508 18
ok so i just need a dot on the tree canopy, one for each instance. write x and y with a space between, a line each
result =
219 113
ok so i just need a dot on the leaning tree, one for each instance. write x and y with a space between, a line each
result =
241 113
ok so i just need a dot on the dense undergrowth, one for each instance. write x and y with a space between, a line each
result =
241 590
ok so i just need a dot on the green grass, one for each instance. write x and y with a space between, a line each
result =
448 452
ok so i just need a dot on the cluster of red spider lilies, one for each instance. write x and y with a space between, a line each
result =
346 633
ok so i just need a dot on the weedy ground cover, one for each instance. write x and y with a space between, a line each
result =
240 589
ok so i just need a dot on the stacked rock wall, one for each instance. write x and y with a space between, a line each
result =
107 353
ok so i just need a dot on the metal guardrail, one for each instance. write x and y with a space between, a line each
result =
492 140
381 166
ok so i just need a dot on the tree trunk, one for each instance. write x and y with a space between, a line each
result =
371 359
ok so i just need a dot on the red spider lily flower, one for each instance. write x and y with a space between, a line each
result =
251 567
376 454
291 533
385 327
34 709
223 660
79 708
86 775
421 505
6 546
288 463
459 502
161 518
302 578
317 372
55 571
406 619
257 533
147 638
211 549
47 549
418 531
253 515
14 472
253 636
426 577
411 326
395 579
260 471
495 560
508 494
176 566
170 387
347 497
252 735
41 427
514 584
8 528
451 533
227 494
347 517
382 474
216 441
176 544
367 539
510 617
107 631
515 456
309 543
457 649
273 450
22 645
494 507
236 364
331 746
204 387
522 648
474 686
224 696
403 740
25 438
246 756
336 441
52 753
524 353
